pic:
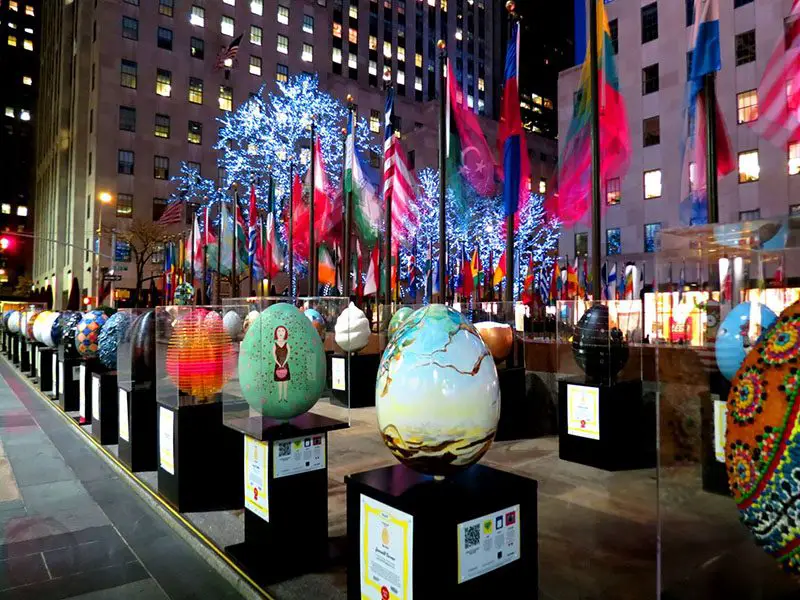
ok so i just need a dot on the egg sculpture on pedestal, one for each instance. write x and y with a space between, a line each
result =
29 323
352 331
199 354
42 321
14 321
599 349
762 440
6 318
110 336
249 319
232 323
733 341
69 330
437 395
54 337
282 368
317 320
498 337
143 347
87 333
400 315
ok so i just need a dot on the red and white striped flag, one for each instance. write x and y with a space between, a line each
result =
779 91
173 214
398 182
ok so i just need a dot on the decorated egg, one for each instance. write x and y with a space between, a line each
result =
232 323
142 334
39 323
498 337
45 326
14 321
249 320
110 336
351 331
437 396
734 336
87 333
6 317
184 292
762 440
317 320
282 367
397 319
55 331
199 354
69 331
29 322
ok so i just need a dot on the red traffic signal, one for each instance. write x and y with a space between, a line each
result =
6 242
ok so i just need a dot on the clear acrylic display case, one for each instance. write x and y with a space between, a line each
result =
704 331
268 363
129 377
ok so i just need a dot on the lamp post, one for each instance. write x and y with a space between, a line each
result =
104 198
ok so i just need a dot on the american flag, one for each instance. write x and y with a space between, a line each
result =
228 55
398 182
173 214
779 91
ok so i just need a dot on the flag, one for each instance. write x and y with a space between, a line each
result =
467 280
527 284
427 269
326 269
569 200
227 55
398 182
511 136
435 278
274 257
194 248
622 281
255 258
468 154
778 93
412 273
681 281
629 283
572 279
477 270
500 270
603 283
361 182
173 214
371 284
583 282
705 61
326 215
611 293
725 281
556 284
779 279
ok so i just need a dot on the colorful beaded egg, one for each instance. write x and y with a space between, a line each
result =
87 333
762 444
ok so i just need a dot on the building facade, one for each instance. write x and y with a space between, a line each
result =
653 40
19 72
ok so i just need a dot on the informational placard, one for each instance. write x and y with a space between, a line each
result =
256 474
76 372
95 398
298 455
720 426
385 551
519 316
488 543
54 373
166 439
39 364
583 411
124 433
81 390
338 378
60 378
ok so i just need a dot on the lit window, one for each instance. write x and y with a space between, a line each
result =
161 167
125 161
257 7
336 56
481 105
652 237
198 16
230 2
353 12
749 169
308 24
373 42
401 54
163 82
374 121
418 84
128 74
283 44
613 241
459 34
125 205
387 49
15 7
27 80
195 90
542 186
281 73
470 100
652 184
401 77
162 126
12 25
373 68
308 53
29 10
794 156
197 48
418 60
9 112
747 106
352 36
226 26
225 98
255 35
352 61
195 135
12 40
255 65
283 15
337 30
5 208
165 7
481 84
24 115
613 192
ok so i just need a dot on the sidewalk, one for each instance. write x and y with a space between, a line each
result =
71 528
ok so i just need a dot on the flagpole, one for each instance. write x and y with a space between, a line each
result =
312 240
442 169
291 229
235 250
191 252
270 216
387 274
711 150
513 18
219 255
348 205
595 127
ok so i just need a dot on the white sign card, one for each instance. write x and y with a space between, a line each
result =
166 438
95 397
256 486
81 390
720 426
583 411
338 370
298 455
76 372
488 543
54 373
385 552
124 433
60 378
39 364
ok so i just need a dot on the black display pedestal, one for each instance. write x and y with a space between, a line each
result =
437 508
105 407
16 354
86 368
714 473
33 351
204 458
68 381
297 494
517 415
5 342
47 384
138 443
24 355
627 428
363 375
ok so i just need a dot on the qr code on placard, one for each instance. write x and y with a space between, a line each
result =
472 536
284 449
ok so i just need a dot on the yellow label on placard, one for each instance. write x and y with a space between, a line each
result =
386 559
583 411
256 472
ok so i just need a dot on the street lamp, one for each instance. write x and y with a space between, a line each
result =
104 198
